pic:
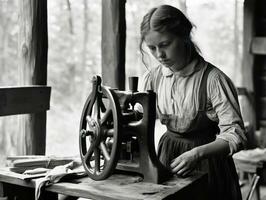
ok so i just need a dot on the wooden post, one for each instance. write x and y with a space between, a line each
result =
33 47
113 43
248 58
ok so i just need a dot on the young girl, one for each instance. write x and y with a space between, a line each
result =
196 101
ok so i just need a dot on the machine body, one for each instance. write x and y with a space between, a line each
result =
114 136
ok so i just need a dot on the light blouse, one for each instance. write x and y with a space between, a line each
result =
178 92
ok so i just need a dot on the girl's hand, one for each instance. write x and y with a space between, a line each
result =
184 164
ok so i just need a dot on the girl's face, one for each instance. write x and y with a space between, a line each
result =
168 49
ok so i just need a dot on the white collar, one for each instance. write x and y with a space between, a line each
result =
186 71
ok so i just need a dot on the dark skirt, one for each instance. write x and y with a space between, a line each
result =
222 176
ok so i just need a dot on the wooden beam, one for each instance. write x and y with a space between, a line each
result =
258 45
113 43
33 47
248 58
22 100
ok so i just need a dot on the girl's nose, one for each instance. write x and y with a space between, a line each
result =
160 53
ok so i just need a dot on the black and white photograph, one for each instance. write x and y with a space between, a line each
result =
132 99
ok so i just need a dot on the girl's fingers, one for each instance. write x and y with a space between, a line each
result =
175 162
186 172
178 167
181 171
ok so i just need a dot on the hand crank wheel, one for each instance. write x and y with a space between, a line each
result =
99 139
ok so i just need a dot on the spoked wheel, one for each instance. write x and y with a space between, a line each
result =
99 139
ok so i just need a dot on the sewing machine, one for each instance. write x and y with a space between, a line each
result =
114 136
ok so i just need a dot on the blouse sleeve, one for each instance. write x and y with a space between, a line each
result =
223 97
146 83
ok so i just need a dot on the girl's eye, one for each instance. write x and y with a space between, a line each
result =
164 44
152 48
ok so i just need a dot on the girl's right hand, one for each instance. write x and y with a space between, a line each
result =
184 164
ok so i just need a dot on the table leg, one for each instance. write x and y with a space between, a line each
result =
1 190
2 195
15 192
48 196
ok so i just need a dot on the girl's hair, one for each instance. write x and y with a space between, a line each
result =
166 18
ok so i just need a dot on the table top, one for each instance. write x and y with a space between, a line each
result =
118 186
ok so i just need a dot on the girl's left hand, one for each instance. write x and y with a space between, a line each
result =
184 164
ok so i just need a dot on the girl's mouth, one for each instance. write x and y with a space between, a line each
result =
165 62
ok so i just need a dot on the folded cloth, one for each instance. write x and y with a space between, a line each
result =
36 171
251 155
54 176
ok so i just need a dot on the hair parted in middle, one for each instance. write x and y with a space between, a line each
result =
166 18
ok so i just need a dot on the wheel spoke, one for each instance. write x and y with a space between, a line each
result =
98 109
106 116
89 153
96 113
102 106
105 151
97 159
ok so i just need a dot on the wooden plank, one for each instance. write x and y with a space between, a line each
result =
21 100
258 45
33 49
7 176
113 43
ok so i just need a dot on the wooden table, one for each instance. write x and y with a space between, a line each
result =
117 187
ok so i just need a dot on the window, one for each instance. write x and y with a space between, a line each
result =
74 56
218 32
9 73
